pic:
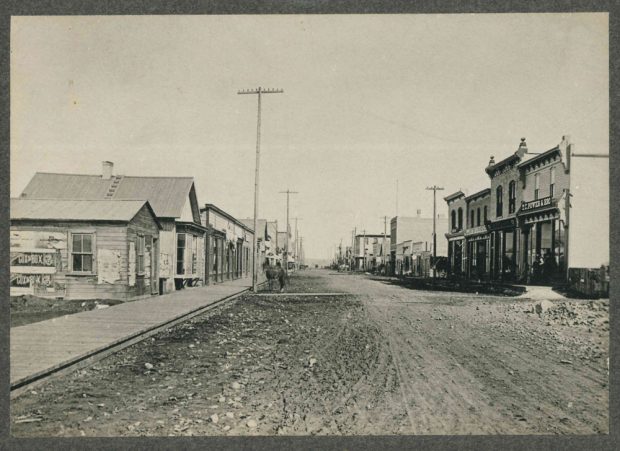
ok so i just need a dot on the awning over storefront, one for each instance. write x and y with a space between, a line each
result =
540 210
540 215
455 235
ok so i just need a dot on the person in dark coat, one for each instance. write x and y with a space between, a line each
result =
281 277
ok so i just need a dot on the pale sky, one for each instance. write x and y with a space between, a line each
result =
425 99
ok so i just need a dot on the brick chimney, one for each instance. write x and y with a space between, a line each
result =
106 170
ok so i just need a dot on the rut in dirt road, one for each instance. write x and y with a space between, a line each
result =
477 365
380 360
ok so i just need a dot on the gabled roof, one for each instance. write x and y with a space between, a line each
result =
77 210
167 195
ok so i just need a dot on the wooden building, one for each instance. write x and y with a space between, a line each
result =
173 199
228 246
84 249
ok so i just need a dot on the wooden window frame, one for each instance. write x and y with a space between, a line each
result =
140 252
93 252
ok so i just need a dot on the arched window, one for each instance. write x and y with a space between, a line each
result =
512 196
460 218
471 219
478 216
486 213
499 208
453 219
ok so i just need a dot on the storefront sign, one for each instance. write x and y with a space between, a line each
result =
476 230
502 224
544 202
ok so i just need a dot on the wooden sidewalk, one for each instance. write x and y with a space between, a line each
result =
41 347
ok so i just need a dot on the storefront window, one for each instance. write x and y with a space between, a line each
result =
559 245
508 254
181 253
480 257
214 253
457 256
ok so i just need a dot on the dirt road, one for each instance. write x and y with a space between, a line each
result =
480 364
382 360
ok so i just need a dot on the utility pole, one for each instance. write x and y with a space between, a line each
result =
354 253
260 91
435 188
383 246
288 192
364 244
297 251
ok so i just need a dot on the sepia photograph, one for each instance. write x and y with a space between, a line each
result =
309 225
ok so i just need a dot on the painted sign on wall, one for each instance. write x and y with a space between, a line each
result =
43 257
31 280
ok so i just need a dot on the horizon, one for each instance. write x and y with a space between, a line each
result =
368 101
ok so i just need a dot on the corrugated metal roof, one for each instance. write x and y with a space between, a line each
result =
66 186
75 210
167 195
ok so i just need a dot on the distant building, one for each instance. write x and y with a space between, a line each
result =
477 236
457 256
229 247
417 229
364 246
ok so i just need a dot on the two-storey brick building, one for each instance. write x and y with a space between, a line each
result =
504 202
